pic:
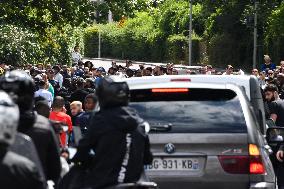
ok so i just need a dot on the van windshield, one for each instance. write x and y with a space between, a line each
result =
198 110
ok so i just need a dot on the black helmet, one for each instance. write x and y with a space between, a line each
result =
112 93
18 83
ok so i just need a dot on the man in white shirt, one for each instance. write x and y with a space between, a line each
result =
44 93
58 76
76 56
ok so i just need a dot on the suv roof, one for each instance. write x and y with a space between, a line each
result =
142 82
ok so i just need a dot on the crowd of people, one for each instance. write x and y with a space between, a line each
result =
39 117
270 74
69 91
66 97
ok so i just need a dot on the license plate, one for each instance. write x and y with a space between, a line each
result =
175 164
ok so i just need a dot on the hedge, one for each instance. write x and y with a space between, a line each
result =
146 44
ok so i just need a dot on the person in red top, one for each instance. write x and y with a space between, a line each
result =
58 113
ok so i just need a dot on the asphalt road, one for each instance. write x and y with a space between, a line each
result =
107 63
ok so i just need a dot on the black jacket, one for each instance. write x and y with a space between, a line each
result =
39 129
83 120
78 95
18 172
120 145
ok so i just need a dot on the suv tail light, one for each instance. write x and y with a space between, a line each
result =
251 164
256 165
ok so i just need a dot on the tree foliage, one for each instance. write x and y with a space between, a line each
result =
45 30
233 21
225 26
274 35
153 30
40 15
140 38
276 23
18 46
129 8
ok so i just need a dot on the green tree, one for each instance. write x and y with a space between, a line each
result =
40 15
233 20
18 46
173 17
274 35
125 8
53 25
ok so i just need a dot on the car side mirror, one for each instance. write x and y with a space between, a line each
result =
270 123
275 135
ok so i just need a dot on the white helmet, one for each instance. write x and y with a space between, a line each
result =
9 118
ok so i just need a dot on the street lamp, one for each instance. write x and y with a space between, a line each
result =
99 46
190 34
255 34
99 49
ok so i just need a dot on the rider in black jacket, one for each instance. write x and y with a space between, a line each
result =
20 87
16 171
116 137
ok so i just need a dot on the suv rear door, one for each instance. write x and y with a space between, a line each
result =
198 137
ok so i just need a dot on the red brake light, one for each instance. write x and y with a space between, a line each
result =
180 80
256 166
250 164
170 90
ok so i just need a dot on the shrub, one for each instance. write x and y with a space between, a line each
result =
138 39
274 35
18 46
59 43
177 47
225 49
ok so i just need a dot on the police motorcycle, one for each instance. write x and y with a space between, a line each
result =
74 178
76 173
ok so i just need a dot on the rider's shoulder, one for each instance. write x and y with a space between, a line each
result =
42 122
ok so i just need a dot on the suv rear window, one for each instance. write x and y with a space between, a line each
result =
195 110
